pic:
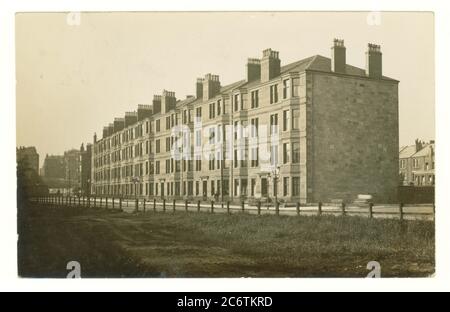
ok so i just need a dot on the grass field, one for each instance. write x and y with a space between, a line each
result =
114 244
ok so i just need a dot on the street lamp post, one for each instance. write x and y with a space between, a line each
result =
275 174
135 181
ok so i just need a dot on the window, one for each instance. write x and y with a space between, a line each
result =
244 157
285 186
273 94
255 99
212 110
211 161
295 119
197 188
286 88
157 168
255 157
198 138
295 186
274 155
219 107
158 146
226 187
236 187
285 153
167 122
212 135
235 158
158 125
167 165
198 163
198 112
212 188
185 116
295 152
254 129
273 123
295 86
285 120
402 163
190 188
168 144
236 102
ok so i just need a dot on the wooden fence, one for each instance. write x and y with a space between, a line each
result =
400 211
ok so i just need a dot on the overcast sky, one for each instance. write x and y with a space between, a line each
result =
74 79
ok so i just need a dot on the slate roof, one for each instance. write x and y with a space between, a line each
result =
425 151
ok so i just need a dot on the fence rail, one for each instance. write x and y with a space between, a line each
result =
400 211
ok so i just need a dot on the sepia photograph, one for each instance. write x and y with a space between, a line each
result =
275 144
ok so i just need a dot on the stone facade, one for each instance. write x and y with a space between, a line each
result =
416 164
313 130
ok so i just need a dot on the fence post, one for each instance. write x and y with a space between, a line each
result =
106 202
259 207
144 205
95 201
243 206
228 207
186 205
298 208
154 204
198 206
136 205
401 211
164 205
89 201
101 200
277 208
370 210
79 201
343 208
113 202
212 206
174 205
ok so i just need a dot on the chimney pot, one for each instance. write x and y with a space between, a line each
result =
374 61
270 65
338 56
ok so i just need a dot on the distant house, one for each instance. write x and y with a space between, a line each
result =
417 164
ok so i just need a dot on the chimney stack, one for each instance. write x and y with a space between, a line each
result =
168 101
95 137
110 129
338 60
270 65
130 118
253 69
105 132
156 104
419 145
119 124
144 111
373 61
199 88
211 86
